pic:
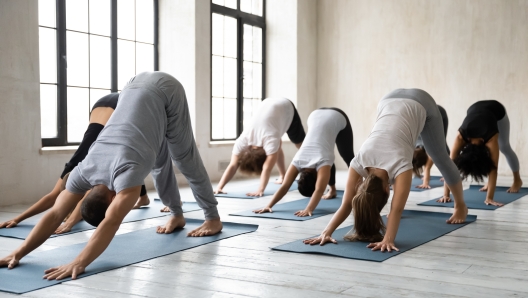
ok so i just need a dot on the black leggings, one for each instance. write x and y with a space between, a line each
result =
345 145
89 137
296 130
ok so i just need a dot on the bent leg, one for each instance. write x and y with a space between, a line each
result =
504 143
506 149
165 181
185 154
296 131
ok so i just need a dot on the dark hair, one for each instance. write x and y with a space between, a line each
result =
419 160
370 199
251 160
307 181
94 205
475 161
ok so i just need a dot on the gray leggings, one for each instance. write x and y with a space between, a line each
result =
432 133
504 143
179 145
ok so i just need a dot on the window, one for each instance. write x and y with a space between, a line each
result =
89 48
237 65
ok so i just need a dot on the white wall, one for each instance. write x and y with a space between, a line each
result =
460 51
25 174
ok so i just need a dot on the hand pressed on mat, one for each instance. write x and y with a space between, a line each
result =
57 273
321 240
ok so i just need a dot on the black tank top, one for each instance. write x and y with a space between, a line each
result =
481 120
108 101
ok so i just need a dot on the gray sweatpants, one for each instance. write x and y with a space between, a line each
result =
432 133
179 145
504 143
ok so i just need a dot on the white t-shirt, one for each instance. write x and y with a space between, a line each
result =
273 119
390 145
317 149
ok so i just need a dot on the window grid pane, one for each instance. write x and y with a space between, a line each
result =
226 66
48 55
224 77
48 111
46 13
88 72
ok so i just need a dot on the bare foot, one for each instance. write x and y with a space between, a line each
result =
329 195
485 188
142 201
493 203
517 184
174 222
279 180
208 228
167 209
459 215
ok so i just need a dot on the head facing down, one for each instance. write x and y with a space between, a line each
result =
419 160
95 203
475 161
307 181
371 197
251 160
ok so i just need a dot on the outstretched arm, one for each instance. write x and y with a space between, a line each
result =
323 176
291 174
74 218
44 228
354 179
427 174
228 174
493 145
105 232
45 203
270 162
281 165
455 151
402 187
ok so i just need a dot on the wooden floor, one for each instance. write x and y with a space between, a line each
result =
488 258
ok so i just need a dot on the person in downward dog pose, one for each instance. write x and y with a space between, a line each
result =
259 147
150 125
484 132
422 160
386 158
101 112
315 158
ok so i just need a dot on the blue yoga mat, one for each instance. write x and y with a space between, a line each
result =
475 199
22 230
416 228
124 250
434 182
287 210
241 191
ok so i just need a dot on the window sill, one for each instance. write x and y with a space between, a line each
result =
213 144
58 150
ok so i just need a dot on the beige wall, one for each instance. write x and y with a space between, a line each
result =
460 51
25 174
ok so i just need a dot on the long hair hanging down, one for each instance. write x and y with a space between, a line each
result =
475 161
419 160
370 199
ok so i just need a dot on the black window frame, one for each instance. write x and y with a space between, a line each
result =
62 100
243 18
